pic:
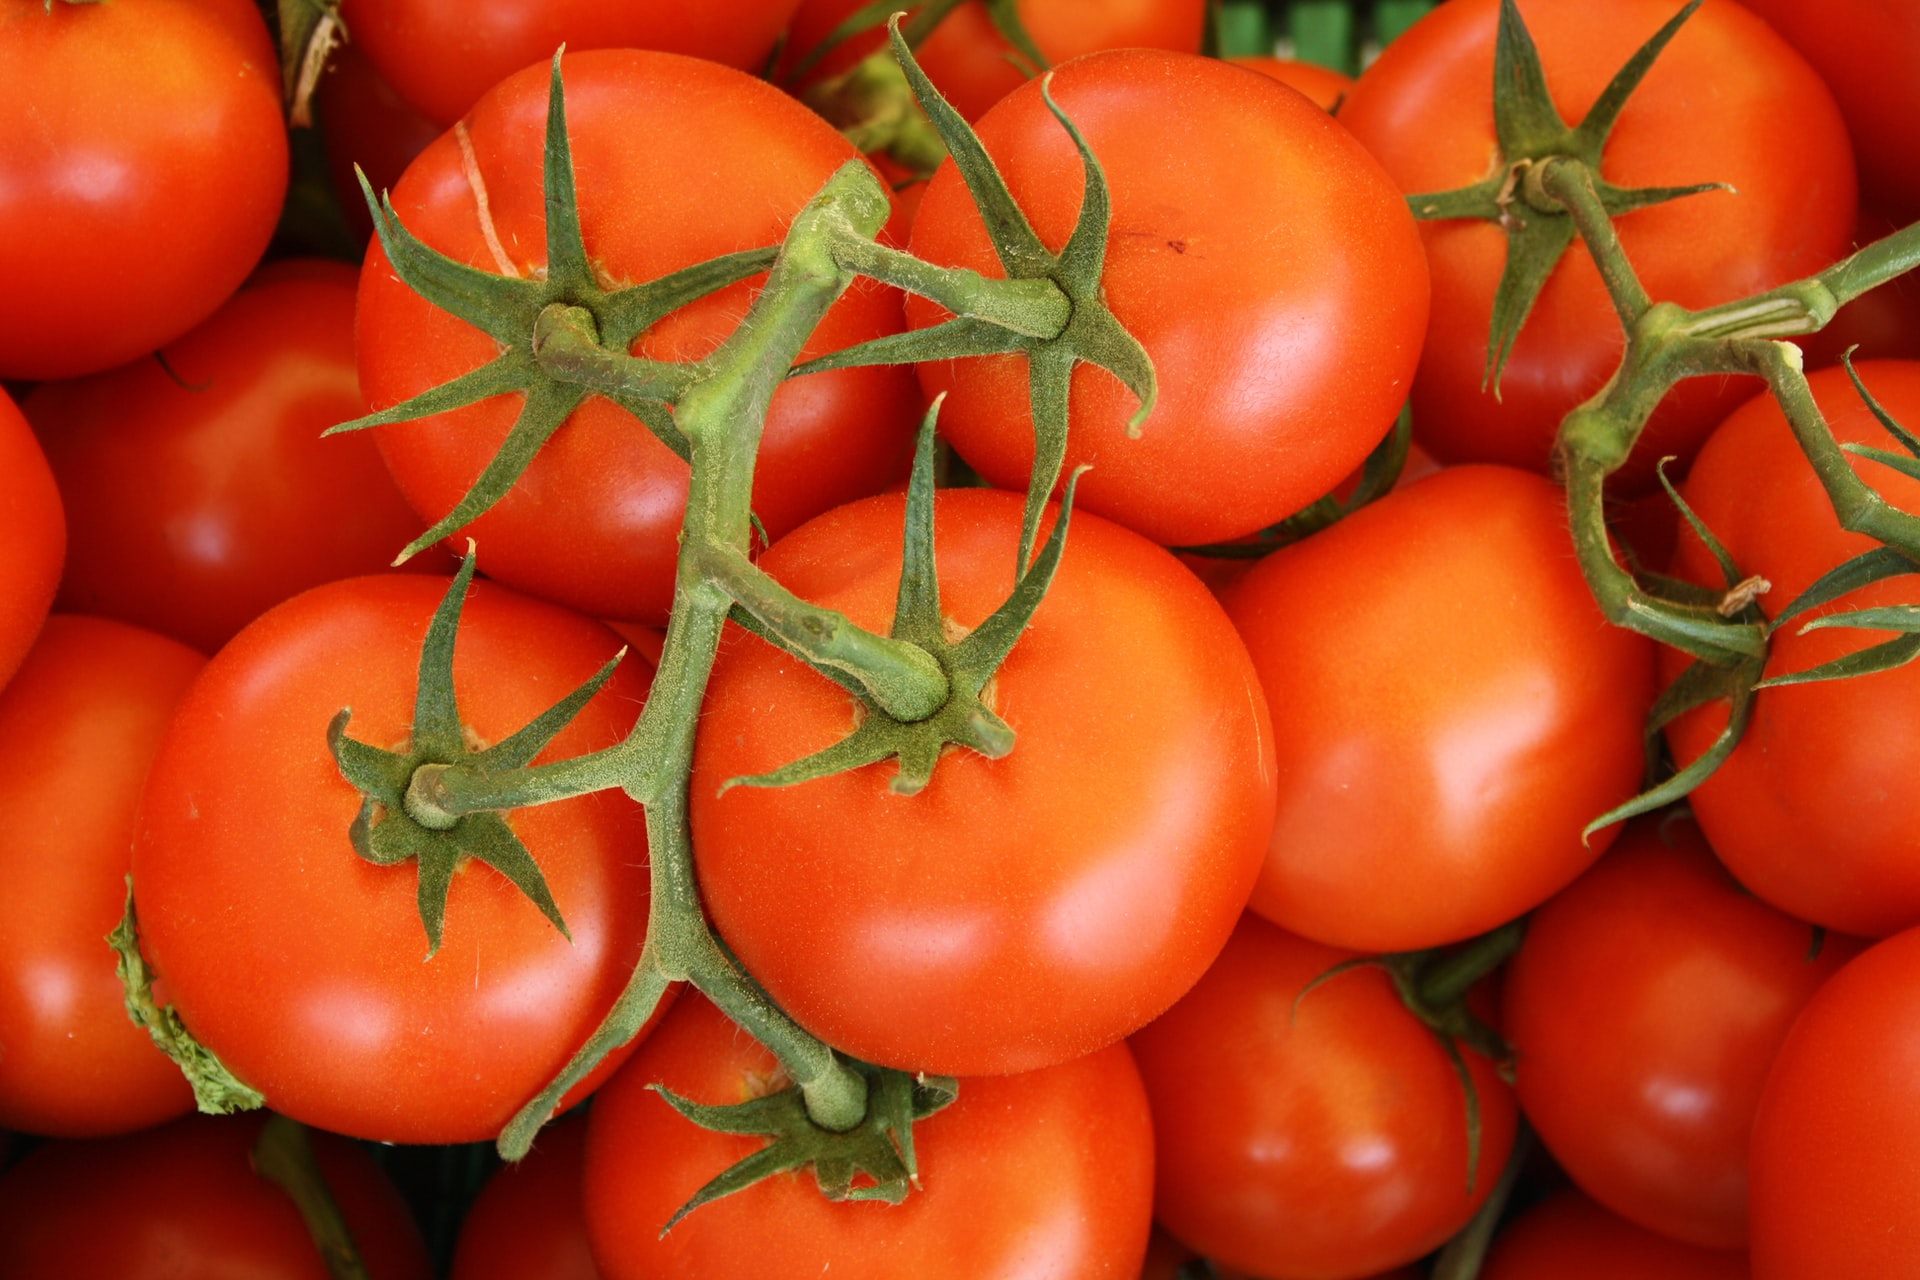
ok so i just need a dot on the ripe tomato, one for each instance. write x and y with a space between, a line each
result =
1834 1175
141 144
530 1222
1816 811
443 54
1017 912
1572 1238
1044 1174
1450 709
1644 1009
365 123
195 507
1311 1138
595 521
1265 262
1324 87
184 1200
36 540
1727 101
299 963
78 727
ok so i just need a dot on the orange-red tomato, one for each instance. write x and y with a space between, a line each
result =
1572 1238
36 541
1324 87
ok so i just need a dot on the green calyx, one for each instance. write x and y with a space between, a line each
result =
216 1090
400 817
1090 333
965 718
309 30
563 336
880 1147
1532 136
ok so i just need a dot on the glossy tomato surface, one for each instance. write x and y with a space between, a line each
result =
1315 1136
1324 86
1727 101
1644 1009
1450 710
305 967
184 1200
202 496
1042 1176
595 521
1265 262
36 542
79 725
1816 811
143 152
530 1222
1572 1238
1017 912
1834 1175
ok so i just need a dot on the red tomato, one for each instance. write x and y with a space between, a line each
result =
1324 86
184 1200
1045 1174
1571 1238
78 727
1644 1009
1265 262
1449 709
36 539
299 963
443 54
141 149
365 123
1311 1138
530 1222
595 521
1727 101
1834 1175
196 507
1816 811
972 64
1018 912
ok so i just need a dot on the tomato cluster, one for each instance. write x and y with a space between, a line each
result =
842 599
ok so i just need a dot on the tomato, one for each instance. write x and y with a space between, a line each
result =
1324 86
1315 1137
529 1222
1265 262
78 727
1644 1009
1834 1178
1727 101
298 962
364 123
595 521
1017 912
1571 1238
184 1200
198 499
973 65
442 55
143 159
1816 811
36 540
1450 709
1044 1174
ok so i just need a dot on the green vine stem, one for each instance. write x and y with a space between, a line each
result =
283 1155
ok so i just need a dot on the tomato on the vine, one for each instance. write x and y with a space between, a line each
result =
36 542
1571 1238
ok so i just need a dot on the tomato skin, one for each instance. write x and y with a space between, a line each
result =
36 544
79 725
304 970
1265 262
1727 101
1323 86
1644 1009
196 507
595 521
1047 1174
366 125
1450 709
442 55
1019 912
529 1222
1834 1178
1263 1100
1571 1238
144 146
1815 811
184 1200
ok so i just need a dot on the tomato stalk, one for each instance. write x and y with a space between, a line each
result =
284 1157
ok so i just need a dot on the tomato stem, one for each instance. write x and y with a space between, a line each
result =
283 1155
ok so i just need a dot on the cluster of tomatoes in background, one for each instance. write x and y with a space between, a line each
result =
1278 925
